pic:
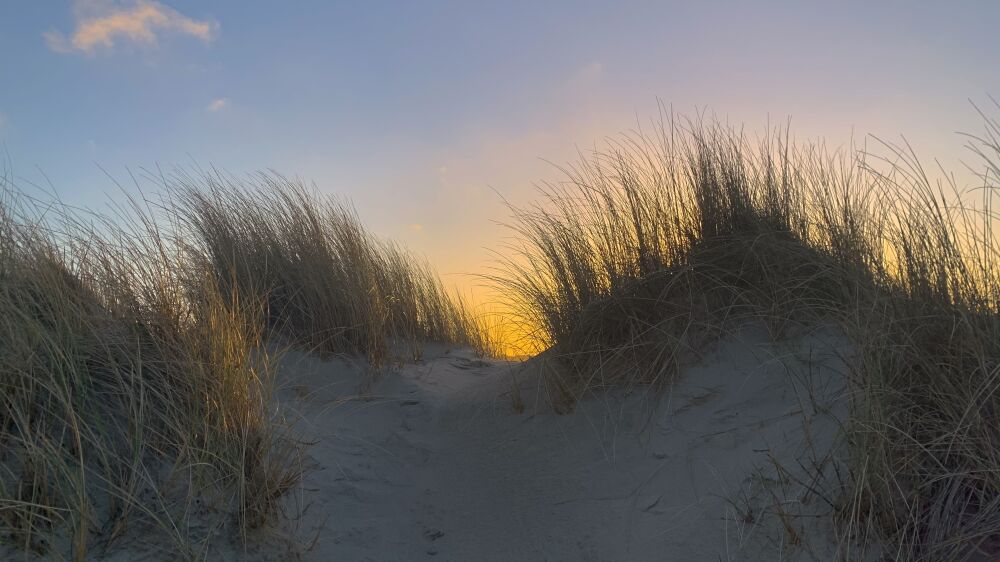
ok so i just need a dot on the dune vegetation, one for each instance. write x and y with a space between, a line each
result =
138 352
138 348
326 283
651 247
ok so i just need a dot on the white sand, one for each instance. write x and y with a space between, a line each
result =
437 466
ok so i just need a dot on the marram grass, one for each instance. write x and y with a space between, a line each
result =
650 247
137 354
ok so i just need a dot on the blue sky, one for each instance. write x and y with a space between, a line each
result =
417 110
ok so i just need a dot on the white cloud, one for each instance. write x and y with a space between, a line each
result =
101 24
218 104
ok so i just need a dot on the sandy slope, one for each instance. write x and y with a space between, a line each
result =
435 464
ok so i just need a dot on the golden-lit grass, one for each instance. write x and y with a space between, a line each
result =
137 363
650 247
128 387
327 283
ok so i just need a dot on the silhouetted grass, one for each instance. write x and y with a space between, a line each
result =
328 284
650 247
137 353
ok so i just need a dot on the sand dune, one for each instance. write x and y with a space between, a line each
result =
433 463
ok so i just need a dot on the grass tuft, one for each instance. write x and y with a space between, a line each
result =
326 282
651 246
138 351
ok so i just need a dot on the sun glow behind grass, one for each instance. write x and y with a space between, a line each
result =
876 176
645 251
138 352
654 245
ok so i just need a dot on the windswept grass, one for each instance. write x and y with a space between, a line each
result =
137 354
127 388
327 283
651 246
630 263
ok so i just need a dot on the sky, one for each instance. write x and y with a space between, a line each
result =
424 114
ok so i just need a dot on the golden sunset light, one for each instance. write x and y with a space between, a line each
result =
516 281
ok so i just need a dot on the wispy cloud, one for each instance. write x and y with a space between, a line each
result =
103 24
218 104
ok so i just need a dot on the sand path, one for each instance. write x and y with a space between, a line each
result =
435 465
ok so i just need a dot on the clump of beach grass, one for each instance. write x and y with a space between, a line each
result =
651 246
327 283
130 386
138 352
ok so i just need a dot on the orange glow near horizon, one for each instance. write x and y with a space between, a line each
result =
519 340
